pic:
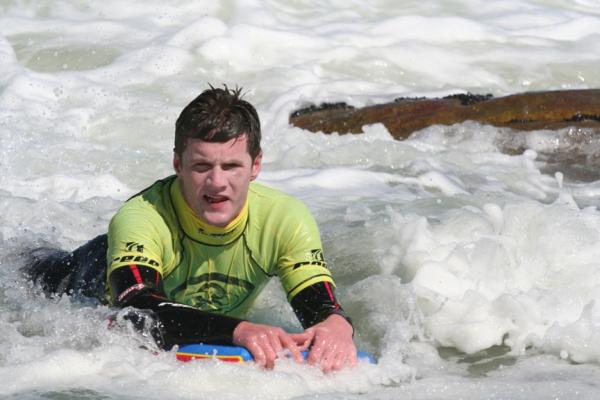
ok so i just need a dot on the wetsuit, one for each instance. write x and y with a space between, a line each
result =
198 280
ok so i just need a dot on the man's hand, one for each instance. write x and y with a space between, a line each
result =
331 344
267 342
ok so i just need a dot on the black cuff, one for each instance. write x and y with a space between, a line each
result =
315 303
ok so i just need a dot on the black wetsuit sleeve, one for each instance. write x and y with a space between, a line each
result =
315 303
175 323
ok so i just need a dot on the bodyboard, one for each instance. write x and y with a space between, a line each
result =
235 354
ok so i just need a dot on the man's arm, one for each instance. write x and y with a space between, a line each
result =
136 255
140 287
315 303
175 323
331 344
135 232
328 330
328 334
308 284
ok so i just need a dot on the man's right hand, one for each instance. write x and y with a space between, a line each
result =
266 342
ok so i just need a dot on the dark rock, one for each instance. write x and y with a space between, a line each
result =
523 112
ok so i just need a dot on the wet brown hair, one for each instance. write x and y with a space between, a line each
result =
218 115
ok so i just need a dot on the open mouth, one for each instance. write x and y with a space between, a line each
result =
212 199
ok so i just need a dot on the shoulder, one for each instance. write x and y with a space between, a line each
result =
142 222
280 217
155 193
277 209
154 197
147 208
261 190
263 196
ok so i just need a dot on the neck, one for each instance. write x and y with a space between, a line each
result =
200 230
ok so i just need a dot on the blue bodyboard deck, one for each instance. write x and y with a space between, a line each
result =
235 354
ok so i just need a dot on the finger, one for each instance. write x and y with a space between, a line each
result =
316 352
328 358
303 340
258 354
290 344
275 342
352 358
270 354
339 361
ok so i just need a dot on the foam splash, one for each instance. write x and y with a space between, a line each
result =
466 236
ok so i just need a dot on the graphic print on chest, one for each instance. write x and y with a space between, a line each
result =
215 281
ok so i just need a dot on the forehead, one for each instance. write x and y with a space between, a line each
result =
234 148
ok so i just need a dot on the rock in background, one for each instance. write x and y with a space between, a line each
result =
523 112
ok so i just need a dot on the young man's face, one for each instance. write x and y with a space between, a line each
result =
215 177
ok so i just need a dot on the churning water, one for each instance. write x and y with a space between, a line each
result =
468 256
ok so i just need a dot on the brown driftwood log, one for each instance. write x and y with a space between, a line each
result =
526 111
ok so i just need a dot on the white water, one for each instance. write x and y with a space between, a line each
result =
443 246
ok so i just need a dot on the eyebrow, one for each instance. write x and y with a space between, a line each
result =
206 160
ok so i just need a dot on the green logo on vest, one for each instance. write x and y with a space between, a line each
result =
216 292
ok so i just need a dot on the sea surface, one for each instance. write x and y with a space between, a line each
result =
471 269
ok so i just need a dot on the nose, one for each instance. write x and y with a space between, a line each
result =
216 177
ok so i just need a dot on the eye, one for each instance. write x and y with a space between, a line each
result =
232 165
201 167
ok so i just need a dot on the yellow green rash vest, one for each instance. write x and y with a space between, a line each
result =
219 270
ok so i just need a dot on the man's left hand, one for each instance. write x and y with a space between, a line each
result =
331 344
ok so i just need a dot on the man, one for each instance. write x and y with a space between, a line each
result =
196 248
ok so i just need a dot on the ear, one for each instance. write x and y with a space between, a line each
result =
176 163
256 164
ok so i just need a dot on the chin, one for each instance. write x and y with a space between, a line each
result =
218 220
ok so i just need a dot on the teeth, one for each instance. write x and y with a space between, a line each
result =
214 199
